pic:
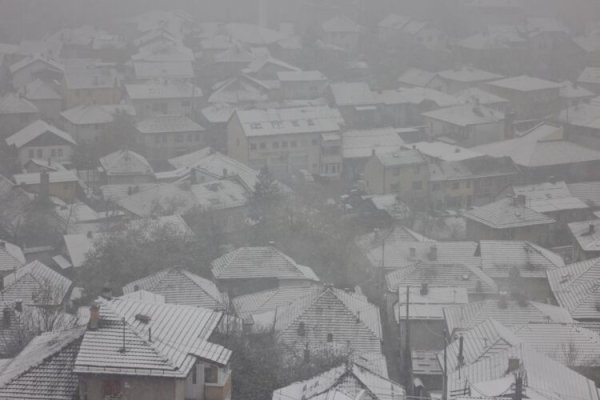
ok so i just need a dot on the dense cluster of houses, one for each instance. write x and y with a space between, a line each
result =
477 163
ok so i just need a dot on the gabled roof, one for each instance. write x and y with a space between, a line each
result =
160 340
166 90
396 252
583 114
342 24
54 176
362 143
465 317
466 115
590 75
400 157
416 77
162 195
289 121
88 75
470 278
32 59
476 95
343 383
548 197
268 302
13 103
354 323
95 113
11 256
35 284
471 168
542 146
587 234
524 83
125 162
352 94
40 90
220 195
570 90
589 192
429 304
544 377
576 287
505 214
166 69
35 130
417 96
179 286
44 368
256 263
239 89
468 75
499 257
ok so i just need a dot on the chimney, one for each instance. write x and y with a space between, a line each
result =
513 364
107 292
591 229
19 305
44 186
94 322
424 289
433 254
509 122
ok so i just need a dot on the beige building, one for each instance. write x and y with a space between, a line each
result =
403 172
287 140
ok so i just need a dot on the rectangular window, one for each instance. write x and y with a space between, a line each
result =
435 186
40 153
417 185
178 138
395 187
31 153
194 375
284 145
263 145
191 137
275 145
211 374
293 143
53 153
252 146
315 142
455 185
112 387
60 152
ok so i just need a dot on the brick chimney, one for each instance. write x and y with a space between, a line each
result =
94 322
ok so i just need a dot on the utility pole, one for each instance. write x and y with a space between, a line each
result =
407 352
518 386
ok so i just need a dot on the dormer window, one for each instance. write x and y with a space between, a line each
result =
301 329
329 337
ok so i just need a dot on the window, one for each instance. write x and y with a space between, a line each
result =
417 169
310 122
255 125
276 124
295 123
53 153
396 171
178 138
252 146
157 139
6 318
417 185
185 103
275 145
263 145
315 142
395 187
468 184
211 374
194 375
301 329
31 153
455 185
40 153
164 139
329 337
112 387
293 143
435 186
60 152
284 144
191 137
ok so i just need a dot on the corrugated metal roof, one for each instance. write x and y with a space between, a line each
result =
351 381
542 376
44 368
499 257
465 317
35 283
587 234
166 345
11 256
504 214
576 287
180 287
255 263
430 305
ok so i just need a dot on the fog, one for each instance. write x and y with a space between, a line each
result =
300 199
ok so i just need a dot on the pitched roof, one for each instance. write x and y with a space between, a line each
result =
499 257
576 287
87 75
343 383
466 115
174 69
549 197
32 59
401 156
13 103
475 167
362 143
40 90
257 262
168 124
125 162
94 113
468 75
352 94
165 343
454 275
179 286
504 214
589 75
300 76
295 120
524 83
54 176
11 256
44 368
587 234
354 323
586 191
460 318
542 146
35 130
416 77
269 301
570 90
583 114
161 195
428 305
545 378
476 95
219 195
35 284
